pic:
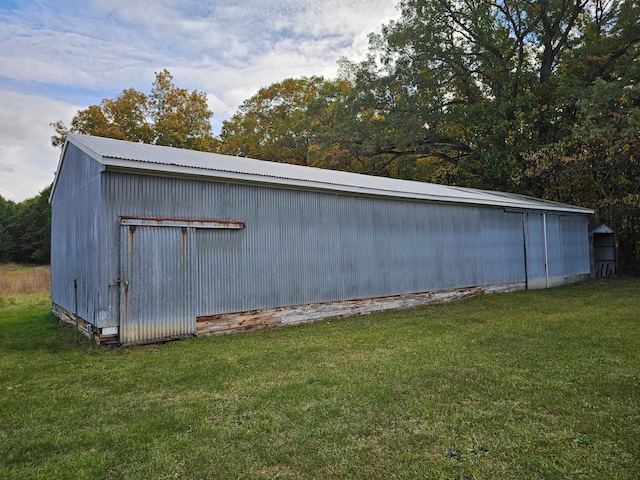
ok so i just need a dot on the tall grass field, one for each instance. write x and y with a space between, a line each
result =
526 385
16 279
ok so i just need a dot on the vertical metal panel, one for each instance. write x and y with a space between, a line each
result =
219 264
502 247
575 241
75 236
156 283
555 263
557 247
460 246
535 251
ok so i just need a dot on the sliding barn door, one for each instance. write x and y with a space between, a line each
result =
156 264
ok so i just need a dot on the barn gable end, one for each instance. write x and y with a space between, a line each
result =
76 209
152 243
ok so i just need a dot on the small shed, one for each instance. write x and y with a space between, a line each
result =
602 246
151 243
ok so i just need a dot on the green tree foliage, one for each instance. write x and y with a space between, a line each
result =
535 97
308 121
360 134
468 85
169 116
280 123
596 162
7 242
25 229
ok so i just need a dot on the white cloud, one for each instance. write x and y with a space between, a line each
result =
27 159
115 44
227 48
345 19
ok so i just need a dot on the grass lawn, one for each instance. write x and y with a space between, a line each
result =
533 384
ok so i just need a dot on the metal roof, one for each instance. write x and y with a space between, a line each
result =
602 229
141 157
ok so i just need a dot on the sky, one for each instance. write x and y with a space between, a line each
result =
61 56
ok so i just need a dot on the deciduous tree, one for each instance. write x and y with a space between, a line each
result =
25 229
7 242
280 123
469 88
169 116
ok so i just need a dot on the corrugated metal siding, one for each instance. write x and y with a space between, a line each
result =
306 247
220 260
299 246
535 246
575 241
554 251
75 236
557 248
502 247
459 237
157 270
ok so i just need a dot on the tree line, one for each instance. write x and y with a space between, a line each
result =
537 97
25 230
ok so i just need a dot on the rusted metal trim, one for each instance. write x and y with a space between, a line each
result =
182 222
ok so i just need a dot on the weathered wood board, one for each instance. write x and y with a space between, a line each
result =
272 317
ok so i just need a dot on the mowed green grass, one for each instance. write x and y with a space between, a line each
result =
533 384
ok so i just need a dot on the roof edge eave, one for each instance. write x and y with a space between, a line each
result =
117 164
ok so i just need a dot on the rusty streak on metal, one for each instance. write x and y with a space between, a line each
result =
183 239
132 230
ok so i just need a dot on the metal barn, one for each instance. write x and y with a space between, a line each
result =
151 243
